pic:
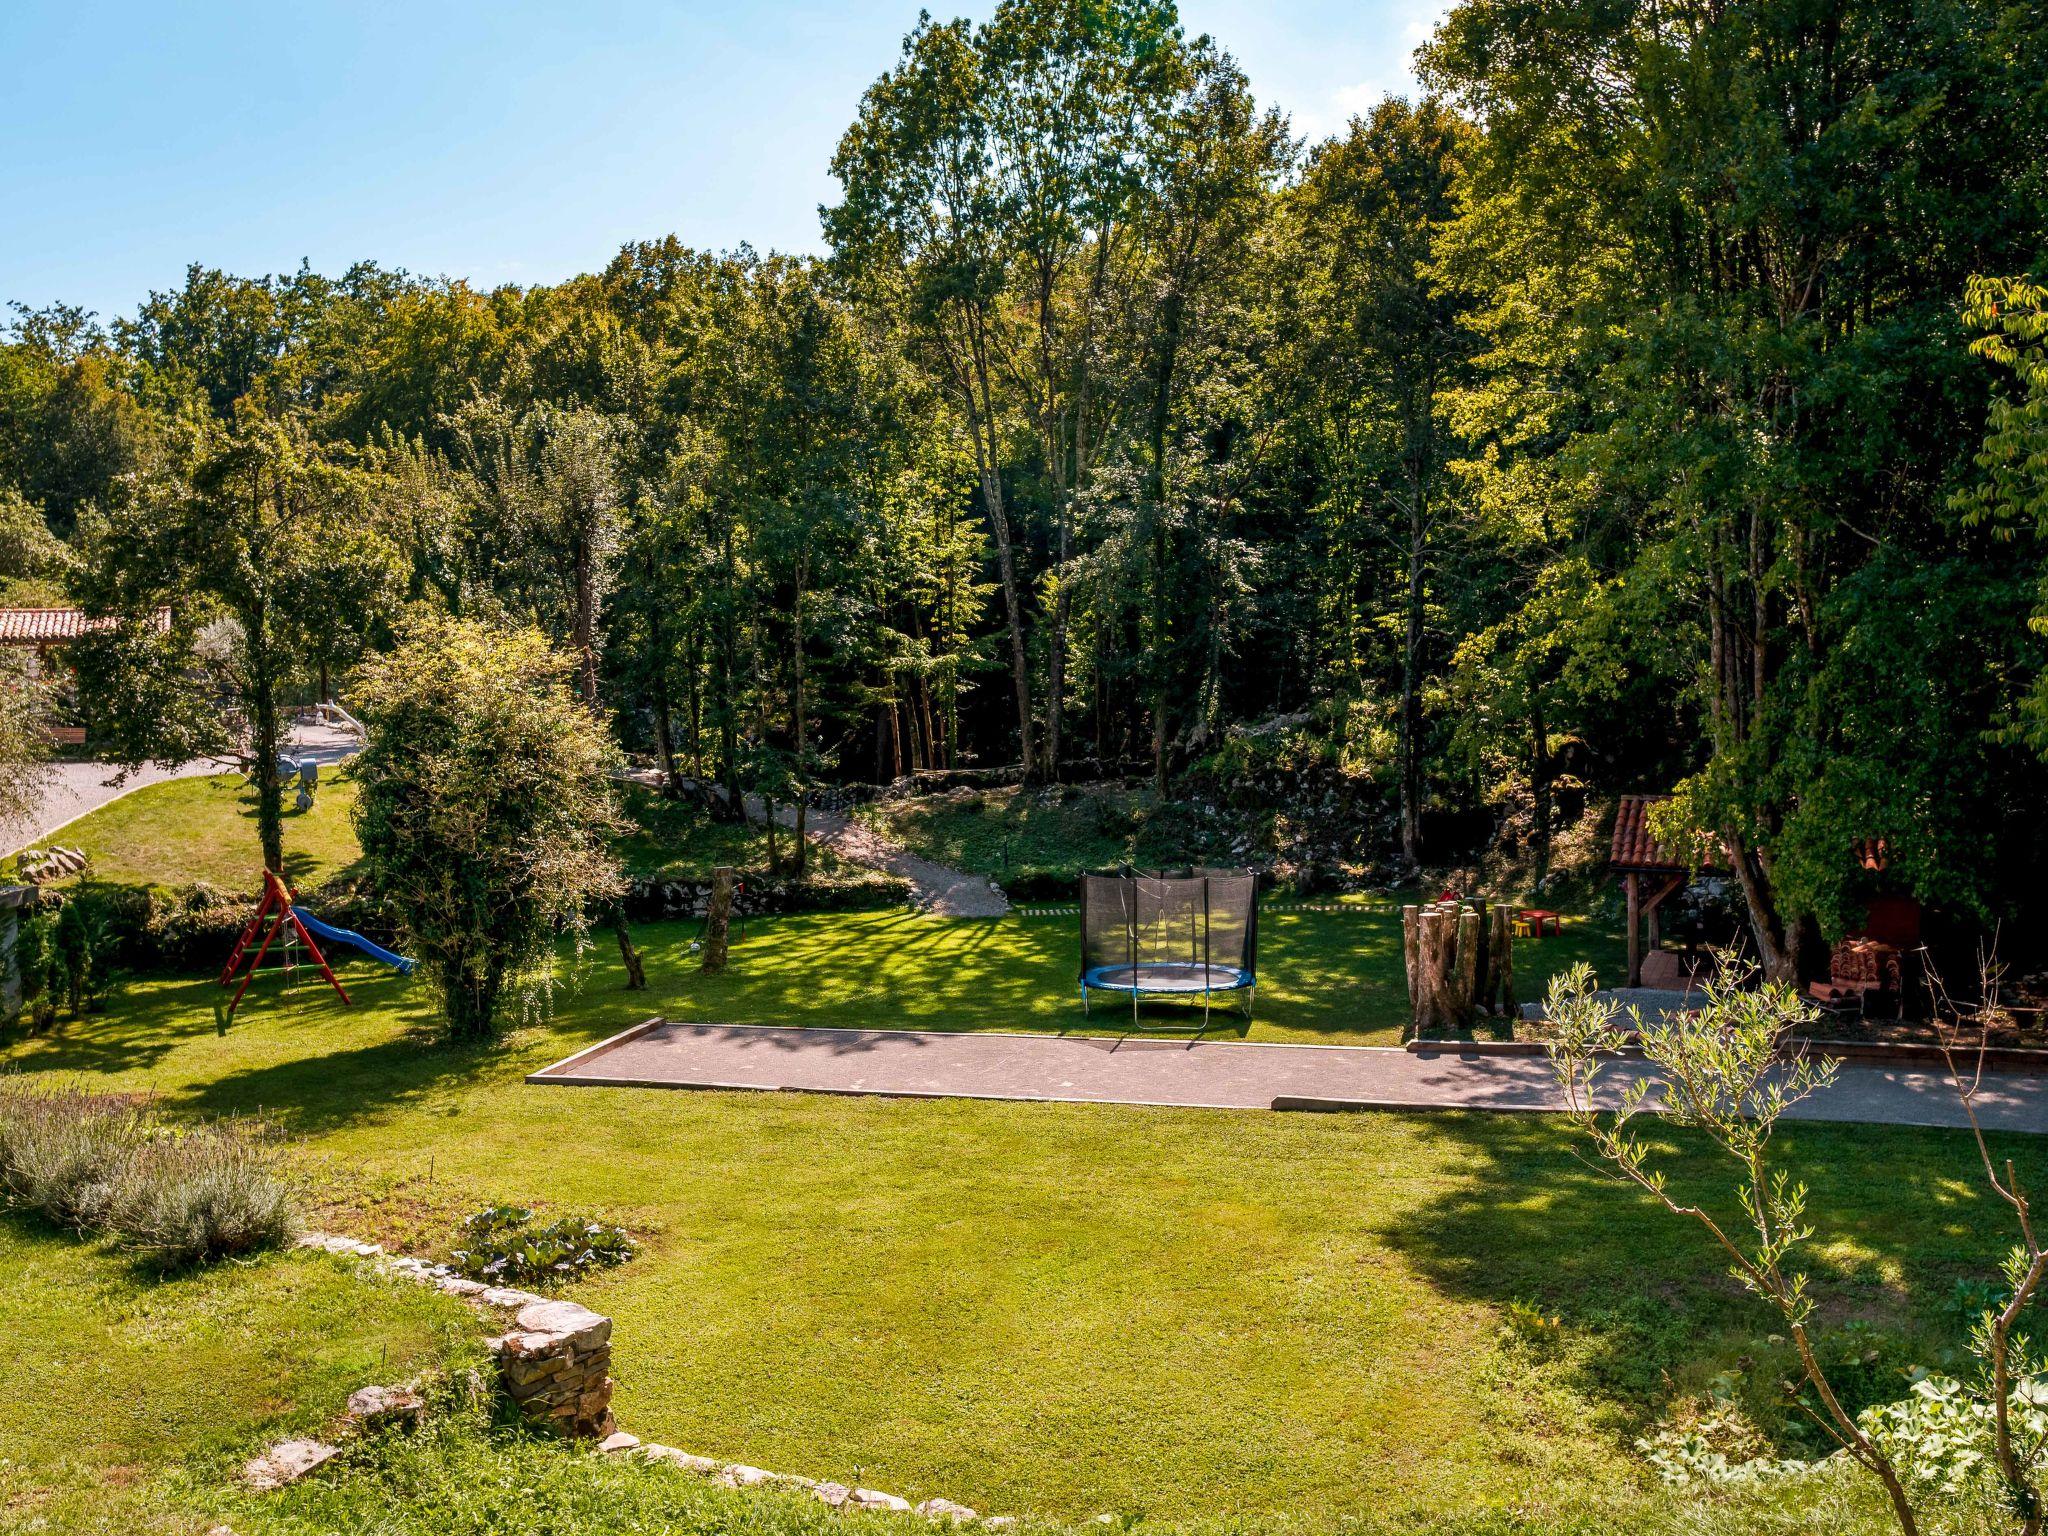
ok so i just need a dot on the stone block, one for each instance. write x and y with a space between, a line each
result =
946 1510
287 1462
612 1444
868 1498
385 1407
704 1466
578 1328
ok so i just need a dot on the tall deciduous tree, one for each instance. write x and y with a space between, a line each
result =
922 220
260 548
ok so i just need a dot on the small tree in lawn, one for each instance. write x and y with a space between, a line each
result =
484 809
1719 1070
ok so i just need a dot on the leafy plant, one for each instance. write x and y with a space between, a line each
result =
84 941
506 1245
1721 1069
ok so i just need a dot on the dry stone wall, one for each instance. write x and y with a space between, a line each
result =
555 1363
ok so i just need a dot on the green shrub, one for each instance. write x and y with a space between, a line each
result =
85 946
504 1245
61 1153
176 1195
201 1195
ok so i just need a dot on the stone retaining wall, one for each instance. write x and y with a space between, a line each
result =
556 1360
555 1363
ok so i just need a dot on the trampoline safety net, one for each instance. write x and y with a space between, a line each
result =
1173 932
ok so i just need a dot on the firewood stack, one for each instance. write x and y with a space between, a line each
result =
1460 958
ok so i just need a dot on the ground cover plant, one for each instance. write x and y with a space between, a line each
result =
511 1245
997 1303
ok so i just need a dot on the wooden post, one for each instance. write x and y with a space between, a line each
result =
717 919
1482 970
1500 963
1411 938
1466 983
1429 972
1635 937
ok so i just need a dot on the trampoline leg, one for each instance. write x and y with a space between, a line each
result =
1086 1011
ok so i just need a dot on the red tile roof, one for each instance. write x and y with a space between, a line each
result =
1635 847
51 626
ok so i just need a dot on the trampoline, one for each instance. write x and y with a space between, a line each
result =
1181 933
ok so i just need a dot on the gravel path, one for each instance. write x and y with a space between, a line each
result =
935 890
1202 1074
77 789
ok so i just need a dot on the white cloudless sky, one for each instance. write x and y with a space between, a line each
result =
513 141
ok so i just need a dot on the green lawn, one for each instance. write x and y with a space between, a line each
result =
204 829
1066 1308
187 830
116 1376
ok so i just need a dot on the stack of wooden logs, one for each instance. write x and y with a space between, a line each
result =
1461 964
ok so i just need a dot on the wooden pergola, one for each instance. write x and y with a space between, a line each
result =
1650 874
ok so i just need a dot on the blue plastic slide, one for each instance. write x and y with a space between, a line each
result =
344 936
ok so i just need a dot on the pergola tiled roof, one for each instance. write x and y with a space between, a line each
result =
53 626
1635 847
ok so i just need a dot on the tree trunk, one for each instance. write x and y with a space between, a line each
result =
629 954
585 637
1539 784
664 725
718 920
1411 690
469 998
981 427
264 737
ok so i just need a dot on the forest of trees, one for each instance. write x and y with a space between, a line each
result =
1657 404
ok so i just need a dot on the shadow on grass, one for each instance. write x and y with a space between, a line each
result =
1648 1306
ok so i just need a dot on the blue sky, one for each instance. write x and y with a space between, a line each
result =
502 142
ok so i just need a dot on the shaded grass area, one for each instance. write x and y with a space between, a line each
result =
204 829
118 1377
676 841
1324 977
1046 835
1073 1308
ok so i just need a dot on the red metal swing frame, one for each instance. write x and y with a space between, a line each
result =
277 906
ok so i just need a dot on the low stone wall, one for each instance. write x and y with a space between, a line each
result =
556 1360
555 1363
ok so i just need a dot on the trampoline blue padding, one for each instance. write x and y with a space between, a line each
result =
1167 976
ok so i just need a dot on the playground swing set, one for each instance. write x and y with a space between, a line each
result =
279 917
